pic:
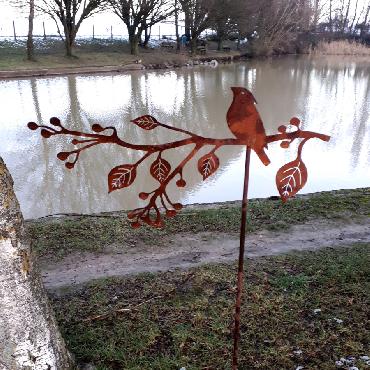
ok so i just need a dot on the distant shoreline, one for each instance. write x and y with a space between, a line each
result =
196 207
62 71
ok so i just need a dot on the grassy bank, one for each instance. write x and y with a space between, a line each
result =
57 237
89 53
308 309
341 47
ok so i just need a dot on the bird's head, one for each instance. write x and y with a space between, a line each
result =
243 95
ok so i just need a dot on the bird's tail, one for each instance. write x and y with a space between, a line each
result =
263 157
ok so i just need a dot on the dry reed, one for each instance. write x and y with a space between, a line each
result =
341 47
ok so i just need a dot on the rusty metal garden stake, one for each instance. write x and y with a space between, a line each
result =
244 123
240 278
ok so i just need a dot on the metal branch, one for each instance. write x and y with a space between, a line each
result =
144 213
295 135
179 130
193 139
98 136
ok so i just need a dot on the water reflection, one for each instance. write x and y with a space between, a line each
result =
330 95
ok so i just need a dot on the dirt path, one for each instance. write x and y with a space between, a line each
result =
189 250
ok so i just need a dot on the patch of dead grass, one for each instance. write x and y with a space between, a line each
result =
341 47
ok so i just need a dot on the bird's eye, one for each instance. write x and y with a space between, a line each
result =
243 93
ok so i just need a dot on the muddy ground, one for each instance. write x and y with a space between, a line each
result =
187 250
330 219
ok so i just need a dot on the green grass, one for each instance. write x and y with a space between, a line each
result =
51 54
184 318
57 238
87 52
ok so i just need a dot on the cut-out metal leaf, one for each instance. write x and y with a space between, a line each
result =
146 122
291 178
208 164
160 169
121 177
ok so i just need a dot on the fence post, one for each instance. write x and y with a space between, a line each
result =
43 26
111 32
93 31
15 35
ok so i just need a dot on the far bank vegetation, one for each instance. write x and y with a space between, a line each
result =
263 27
340 47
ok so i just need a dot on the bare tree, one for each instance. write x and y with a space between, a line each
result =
140 15
354 17
364 26
278 24
245 16
316 14
29 6
197 19
31 16
360 19
221 19
341 18
70 13
319 12
177 25
343 15
29 336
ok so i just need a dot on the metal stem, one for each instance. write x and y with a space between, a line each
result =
240 279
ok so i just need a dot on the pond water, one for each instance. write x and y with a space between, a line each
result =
329 95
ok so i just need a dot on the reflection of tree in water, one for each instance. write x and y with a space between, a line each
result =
86 187
313 89
361 128
57 192
48 198
198 102
350 74
27 166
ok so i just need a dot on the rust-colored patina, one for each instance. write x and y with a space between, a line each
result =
244 122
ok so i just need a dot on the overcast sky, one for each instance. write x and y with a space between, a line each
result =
102 23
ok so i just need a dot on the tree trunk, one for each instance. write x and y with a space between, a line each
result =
29 336
353 19
193 45
68 48
178 46
30 54
364 24
69 39
345 20
315 15
134 44
147 34
219 43
187 25
238 42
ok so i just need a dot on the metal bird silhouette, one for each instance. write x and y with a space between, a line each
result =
245 122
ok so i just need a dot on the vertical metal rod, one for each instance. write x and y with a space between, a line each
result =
14 33
240 278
